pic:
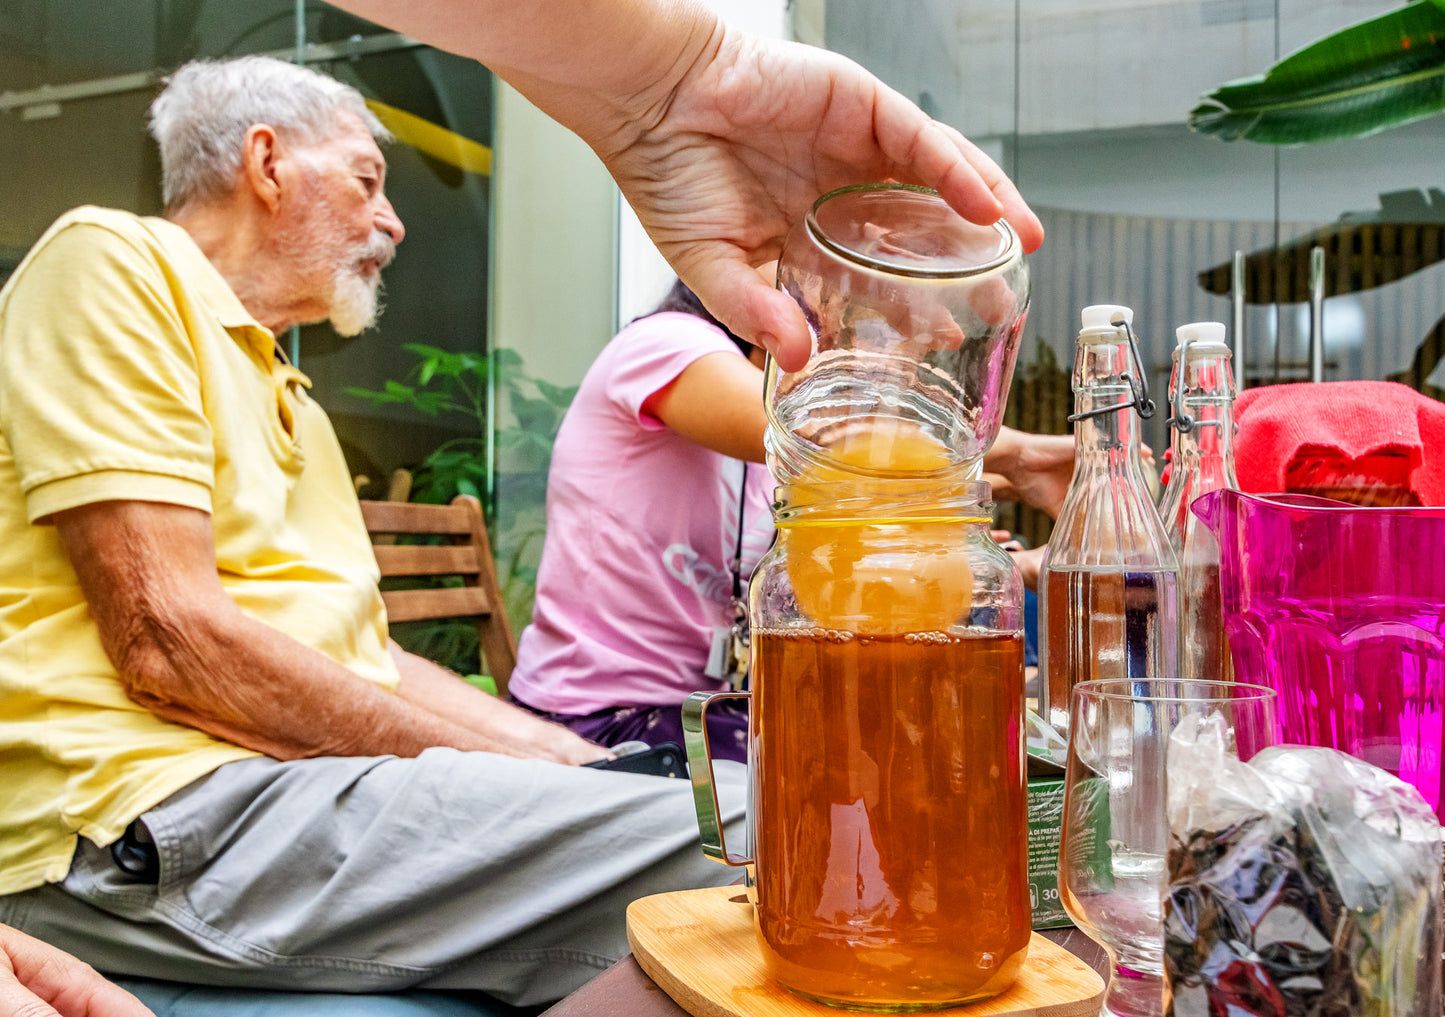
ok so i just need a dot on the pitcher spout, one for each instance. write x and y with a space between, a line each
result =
1213 506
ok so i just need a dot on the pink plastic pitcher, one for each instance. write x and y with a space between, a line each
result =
1341 610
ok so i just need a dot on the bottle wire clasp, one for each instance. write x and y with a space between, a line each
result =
1137 380
1181 421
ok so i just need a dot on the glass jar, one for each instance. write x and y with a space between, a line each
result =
886 755
916 316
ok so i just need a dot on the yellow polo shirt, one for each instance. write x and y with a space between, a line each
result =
129 370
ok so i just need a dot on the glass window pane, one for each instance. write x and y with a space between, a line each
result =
1374 206
1086 102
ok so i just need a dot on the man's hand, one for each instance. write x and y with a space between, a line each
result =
508 728
719 140
749 137
37 980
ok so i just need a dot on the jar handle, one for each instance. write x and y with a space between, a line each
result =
699 765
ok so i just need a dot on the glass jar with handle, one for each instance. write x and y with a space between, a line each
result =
886 748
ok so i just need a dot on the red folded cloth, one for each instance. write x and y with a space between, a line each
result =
1372 442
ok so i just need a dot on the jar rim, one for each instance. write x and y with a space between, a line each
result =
1131 690
799 454
1010 252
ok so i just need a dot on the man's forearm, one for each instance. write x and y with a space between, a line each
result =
243 681
184 650
628 52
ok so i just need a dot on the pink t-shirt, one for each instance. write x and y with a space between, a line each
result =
641 528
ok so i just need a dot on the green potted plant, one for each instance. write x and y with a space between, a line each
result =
455 385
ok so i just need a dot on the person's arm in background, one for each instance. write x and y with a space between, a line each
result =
718 139
37 980
186 651
1032 468
716 402
1035 469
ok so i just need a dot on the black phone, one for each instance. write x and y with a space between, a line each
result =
664 760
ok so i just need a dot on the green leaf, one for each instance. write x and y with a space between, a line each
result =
561 396
430 403
465 486
447 460
1379 73
525 441
451 365
365 393
535 415
424 351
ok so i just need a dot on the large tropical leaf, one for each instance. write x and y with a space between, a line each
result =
1379 73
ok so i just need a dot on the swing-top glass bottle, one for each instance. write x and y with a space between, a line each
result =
1201 397
1108 583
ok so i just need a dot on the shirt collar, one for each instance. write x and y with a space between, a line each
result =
209 287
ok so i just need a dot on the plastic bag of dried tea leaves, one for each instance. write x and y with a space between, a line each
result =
1304 883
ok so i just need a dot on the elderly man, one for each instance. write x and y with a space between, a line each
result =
214 766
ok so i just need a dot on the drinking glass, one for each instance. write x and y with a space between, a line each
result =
1115 842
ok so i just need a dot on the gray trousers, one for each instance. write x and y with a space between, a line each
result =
454 870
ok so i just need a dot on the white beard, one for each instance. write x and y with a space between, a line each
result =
355 303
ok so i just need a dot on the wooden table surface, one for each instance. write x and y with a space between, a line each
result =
624 991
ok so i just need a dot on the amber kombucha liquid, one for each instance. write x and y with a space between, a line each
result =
891 834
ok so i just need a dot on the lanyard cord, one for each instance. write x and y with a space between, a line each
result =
738 551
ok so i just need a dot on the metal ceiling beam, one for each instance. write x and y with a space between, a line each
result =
313 53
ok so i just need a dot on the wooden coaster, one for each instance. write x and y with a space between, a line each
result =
700 947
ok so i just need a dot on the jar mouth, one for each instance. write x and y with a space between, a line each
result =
908 502
935 243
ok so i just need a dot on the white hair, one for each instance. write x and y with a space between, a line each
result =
201 118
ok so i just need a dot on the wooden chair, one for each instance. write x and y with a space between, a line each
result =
467 554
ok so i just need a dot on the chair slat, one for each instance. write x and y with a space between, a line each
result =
470 559
410 517
422 560
416 605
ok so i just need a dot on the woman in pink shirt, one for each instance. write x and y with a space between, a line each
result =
656 480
